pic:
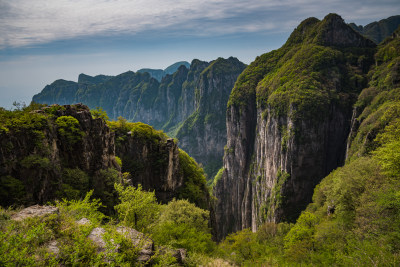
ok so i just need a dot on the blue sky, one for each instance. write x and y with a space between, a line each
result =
45 40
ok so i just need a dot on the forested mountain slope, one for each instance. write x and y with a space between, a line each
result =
54 152
288 120
354 216
377 31
172 105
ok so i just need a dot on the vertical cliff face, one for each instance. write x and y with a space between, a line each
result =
57 151
189 103
287 123
203 134
153 163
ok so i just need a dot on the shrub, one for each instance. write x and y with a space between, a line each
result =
183 225
138 208
68 128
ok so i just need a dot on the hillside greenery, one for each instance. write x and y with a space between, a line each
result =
180 225
305 75
353 219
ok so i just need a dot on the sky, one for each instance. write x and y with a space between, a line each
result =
45 40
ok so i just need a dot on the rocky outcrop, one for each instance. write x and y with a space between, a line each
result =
288 119
154 165
55 151
203 134
188 103
139 240
154 160
34 211
378 31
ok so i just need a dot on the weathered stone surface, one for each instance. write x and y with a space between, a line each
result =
138 239
83 221
179 254
53 248
159 165
94 152
97 237
203 134
274 158
34 211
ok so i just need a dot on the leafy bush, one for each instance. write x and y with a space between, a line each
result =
69 128
36 161
183 225
99 113
75 183
12 190
194 188
85 208
138 208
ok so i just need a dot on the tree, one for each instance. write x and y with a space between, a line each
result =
138 209
183 225
99 113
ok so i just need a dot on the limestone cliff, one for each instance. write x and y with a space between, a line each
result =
155 161
203 133
54 152
288 119
57 151
189 103
378 31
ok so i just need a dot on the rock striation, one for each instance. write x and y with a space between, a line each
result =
188 103
378 31
288 119
55 150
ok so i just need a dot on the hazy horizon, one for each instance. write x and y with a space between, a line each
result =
42 41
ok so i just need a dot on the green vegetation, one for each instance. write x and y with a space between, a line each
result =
378 31
194 189
99 113
354 217
183 225
304 77
138 130
180 225
75 184
138 209
68 128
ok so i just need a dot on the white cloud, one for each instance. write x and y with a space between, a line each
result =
27 22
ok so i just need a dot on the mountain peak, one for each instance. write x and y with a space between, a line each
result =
333 31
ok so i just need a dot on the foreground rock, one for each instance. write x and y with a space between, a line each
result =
34 211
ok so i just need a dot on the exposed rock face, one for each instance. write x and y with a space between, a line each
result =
203 134
154 166
377 31
96 235
334 32
189 103
158 74
42 158
284 134
34 211
145 244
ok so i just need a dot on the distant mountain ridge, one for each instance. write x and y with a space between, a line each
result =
377 31
189 104
158 74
